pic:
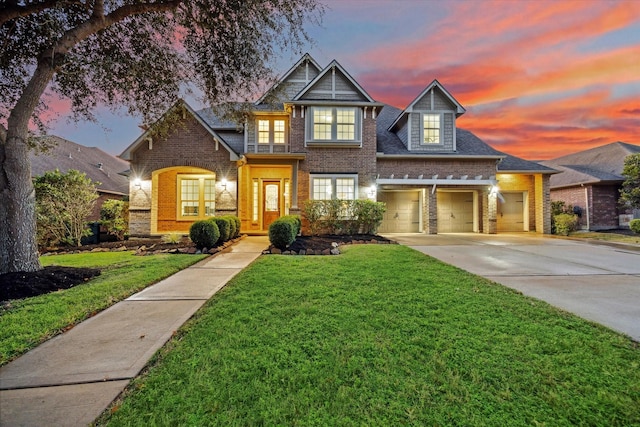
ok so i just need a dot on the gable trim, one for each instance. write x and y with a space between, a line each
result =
332 68
146 136
306 59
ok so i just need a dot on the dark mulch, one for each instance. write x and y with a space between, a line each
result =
320 243
49 279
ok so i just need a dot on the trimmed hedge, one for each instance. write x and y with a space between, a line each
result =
204 234
224 226
634 225
283 231
336 216
233 227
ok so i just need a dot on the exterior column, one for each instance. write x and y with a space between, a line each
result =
431 212
543 204
491 216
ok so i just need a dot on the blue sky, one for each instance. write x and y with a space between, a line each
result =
539 79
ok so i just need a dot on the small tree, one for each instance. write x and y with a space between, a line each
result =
63 203
114 216
630 191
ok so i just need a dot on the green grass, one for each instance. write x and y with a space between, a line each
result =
607 237
382 335
26 323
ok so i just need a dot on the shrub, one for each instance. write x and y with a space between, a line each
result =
283 231
235 225
344 216
238 225
634 225
565 223
369 215
204 234
63 203
233 228
223 226
172 238
114 216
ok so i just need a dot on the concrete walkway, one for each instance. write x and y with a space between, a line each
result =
72 378
598 282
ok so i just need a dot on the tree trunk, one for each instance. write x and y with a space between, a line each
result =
18 244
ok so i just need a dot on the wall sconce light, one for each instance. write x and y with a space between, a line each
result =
372 191
223 184
493 190
137 183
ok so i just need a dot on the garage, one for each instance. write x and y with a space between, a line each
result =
403 212
511 212
455 211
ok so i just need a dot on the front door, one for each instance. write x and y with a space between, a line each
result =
271 206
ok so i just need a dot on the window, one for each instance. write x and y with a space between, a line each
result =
271 131
342 187
334 124
196 196
431 128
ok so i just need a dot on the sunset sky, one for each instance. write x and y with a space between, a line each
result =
539 79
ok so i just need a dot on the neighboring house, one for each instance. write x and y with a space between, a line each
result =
591 180
327 138
93 162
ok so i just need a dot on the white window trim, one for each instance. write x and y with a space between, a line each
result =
333 178
271 120
333 141
441 139
201 201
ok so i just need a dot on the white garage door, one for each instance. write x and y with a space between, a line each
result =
511 212
455 212
403 211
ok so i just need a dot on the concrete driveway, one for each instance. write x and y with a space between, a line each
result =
598 282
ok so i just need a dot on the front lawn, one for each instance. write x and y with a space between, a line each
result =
382 335
28 322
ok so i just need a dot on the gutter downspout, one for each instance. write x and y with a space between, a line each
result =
586 206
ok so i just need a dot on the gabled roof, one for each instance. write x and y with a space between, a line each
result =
126 154
460 110
468 145
597 165
305 58
333 65
97 165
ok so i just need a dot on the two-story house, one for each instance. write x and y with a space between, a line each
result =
325 137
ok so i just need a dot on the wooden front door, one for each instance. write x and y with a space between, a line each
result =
271 202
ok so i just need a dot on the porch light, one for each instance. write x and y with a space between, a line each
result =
137 183
372 191
493 190
223 183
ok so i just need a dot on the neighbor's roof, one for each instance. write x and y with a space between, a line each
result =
597 165
92 161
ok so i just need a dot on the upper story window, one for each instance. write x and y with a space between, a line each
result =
431 128
196 196
271 130
334 124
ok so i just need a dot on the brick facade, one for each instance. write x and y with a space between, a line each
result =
598 205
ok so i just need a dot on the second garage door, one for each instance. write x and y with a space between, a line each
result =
455 212
403 211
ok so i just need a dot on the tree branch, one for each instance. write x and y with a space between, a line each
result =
100 22
13 10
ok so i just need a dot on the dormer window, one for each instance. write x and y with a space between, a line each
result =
431 128
340 125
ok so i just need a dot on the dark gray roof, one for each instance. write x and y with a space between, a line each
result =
214 120
467 144
596 165
95 163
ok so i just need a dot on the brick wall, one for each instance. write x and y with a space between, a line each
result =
599 204
335 160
